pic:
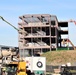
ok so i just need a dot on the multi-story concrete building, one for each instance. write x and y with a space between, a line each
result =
41 33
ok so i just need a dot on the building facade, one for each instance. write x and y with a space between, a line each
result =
41 33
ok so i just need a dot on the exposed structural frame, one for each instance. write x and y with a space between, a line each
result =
37 30
42 32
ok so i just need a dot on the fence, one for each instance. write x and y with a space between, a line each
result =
65 70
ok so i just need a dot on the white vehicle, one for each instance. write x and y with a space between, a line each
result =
36 65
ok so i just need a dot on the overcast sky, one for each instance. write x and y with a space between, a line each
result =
12 9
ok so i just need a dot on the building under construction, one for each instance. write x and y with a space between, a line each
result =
42 33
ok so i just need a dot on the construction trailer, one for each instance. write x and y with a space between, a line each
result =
43 33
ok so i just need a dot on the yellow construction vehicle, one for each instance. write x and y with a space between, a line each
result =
18 67
15 68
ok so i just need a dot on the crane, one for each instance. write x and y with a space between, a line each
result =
21 65
12 25
71 20
19 30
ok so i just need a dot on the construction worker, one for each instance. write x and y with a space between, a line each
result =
3 71
63 42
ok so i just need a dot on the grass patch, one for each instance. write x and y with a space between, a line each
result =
60 57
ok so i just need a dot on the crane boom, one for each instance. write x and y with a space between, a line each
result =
73 21
11 25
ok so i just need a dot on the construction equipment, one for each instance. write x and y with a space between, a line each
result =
71 20
12 25
19 30
15 68
18 67
4 53
29 66
68 40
